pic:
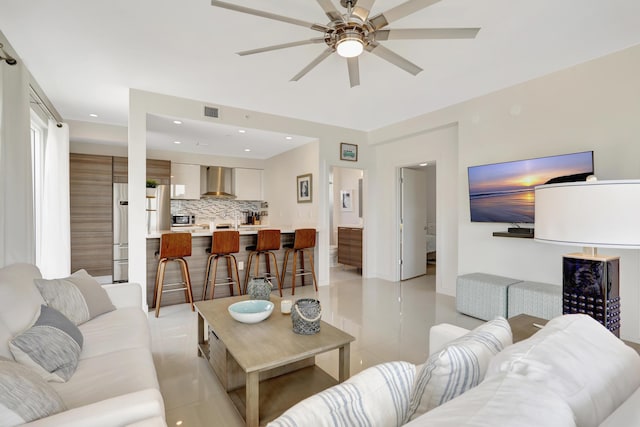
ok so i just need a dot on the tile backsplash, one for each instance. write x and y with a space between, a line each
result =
218 210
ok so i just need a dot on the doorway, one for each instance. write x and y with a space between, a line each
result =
417 220
345 223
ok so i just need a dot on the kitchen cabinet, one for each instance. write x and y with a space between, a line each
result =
185 181
248 184
350 246
91 213
160 170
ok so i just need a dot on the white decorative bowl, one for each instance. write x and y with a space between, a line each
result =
251 311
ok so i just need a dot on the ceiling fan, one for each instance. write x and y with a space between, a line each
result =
351 33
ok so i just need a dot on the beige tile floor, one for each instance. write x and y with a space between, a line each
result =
390 321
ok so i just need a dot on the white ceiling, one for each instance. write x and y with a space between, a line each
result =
200 137
86 55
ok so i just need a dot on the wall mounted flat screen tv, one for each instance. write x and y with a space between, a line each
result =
504 192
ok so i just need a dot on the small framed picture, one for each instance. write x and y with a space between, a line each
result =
346 200
304 189
348 152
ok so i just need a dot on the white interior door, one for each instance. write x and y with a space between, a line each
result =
413 226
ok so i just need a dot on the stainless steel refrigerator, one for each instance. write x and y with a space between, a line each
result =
120 233
158 219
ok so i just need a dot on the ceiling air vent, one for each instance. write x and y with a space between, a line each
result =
211 112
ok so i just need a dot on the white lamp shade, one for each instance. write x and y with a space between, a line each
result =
594 214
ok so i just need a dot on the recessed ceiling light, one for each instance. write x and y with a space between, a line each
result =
93 115
242 131
177 142
247 149
177 122
288 138
424 164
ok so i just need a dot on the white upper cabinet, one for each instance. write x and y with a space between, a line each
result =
248 184
185 181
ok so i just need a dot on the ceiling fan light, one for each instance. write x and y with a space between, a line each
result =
350 45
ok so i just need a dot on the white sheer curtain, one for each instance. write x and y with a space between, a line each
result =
54 252
16 190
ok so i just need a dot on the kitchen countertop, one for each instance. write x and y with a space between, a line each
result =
204 231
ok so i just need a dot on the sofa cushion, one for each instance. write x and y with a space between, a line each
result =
117 330
25 396
79 296
578 359
504 400
459 366
20 300
110 375
377 396
51 346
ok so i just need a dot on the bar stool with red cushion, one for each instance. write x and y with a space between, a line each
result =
223 245
173 248
305 238
267 242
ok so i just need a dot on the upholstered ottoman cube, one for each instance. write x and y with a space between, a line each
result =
483 295
535 299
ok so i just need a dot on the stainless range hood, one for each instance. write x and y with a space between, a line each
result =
219 181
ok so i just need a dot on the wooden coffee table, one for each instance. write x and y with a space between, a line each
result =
523 326
265 367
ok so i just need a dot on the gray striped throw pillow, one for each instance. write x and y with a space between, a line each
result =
458 367
51 346
24 396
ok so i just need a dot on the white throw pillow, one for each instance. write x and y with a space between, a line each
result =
578 359
459 366
377 396
79 297
507 400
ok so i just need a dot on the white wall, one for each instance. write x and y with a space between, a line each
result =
439 145
345 179
592 106
280 184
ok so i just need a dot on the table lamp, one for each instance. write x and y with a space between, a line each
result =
590 214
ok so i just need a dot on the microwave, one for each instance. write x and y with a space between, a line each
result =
183 220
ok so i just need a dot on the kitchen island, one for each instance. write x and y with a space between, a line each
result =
201 242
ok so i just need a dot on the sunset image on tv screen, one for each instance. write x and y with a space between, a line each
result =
504 192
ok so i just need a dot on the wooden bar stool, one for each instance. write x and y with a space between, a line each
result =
173 247
268 241
305 238
223 245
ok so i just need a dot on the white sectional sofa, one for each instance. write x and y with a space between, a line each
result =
114 383
571 373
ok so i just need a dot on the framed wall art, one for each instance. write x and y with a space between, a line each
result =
304 188
348 152
346 200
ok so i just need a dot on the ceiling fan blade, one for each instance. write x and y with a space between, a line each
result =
281 46
362 9
328 51
268 15
354 71
400 11
426 33
394 58
330 10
